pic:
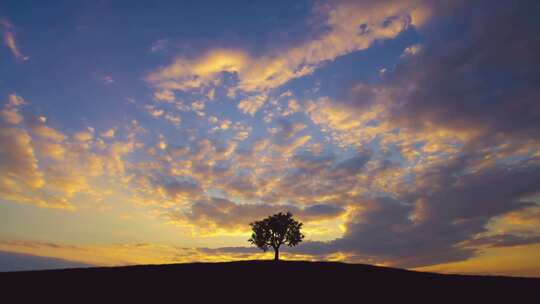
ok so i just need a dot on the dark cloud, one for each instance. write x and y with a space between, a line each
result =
226 214
477 69
503 240
309 163
475 72
435 223
178 188
221 168
321 210
286 128
426 225
353 165
309 167
10 261
454 194
242 184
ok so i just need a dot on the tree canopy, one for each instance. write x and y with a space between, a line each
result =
276 230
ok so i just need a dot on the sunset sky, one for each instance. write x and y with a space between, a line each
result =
401 133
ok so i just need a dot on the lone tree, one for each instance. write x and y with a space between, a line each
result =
276 230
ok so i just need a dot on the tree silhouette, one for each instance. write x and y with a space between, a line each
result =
276 230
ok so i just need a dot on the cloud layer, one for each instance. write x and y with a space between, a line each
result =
434 158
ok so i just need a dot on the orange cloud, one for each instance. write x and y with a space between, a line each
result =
10 113
11 43
258 75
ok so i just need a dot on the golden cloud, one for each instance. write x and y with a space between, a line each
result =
353 26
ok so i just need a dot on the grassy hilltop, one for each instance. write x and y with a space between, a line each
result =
255 281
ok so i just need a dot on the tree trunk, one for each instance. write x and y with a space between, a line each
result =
276 256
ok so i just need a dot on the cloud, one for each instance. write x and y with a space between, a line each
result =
225 124
186 74
351 166
11 43
17 159
182 189
350 125
20 262
175 120
107 79
42 166
165 95
109 133
10 113
503 240
286 129
121 254
83 136
252 104
320 211
434 100
22 180
288 147
445 108
159 45
294 106
45 132
198 105
518 221
222 214
438 221
456 79
313 162
431 162
352 26
411 50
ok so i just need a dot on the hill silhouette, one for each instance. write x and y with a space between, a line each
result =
256 281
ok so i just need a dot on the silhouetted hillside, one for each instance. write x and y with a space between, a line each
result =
256 281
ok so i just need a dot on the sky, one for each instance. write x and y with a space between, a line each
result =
401 133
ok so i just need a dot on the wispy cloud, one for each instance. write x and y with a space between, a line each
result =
107 79
159 45
9 40
258 75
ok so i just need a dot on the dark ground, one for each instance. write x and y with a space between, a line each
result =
262 281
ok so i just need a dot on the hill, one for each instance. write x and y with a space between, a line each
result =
255 281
